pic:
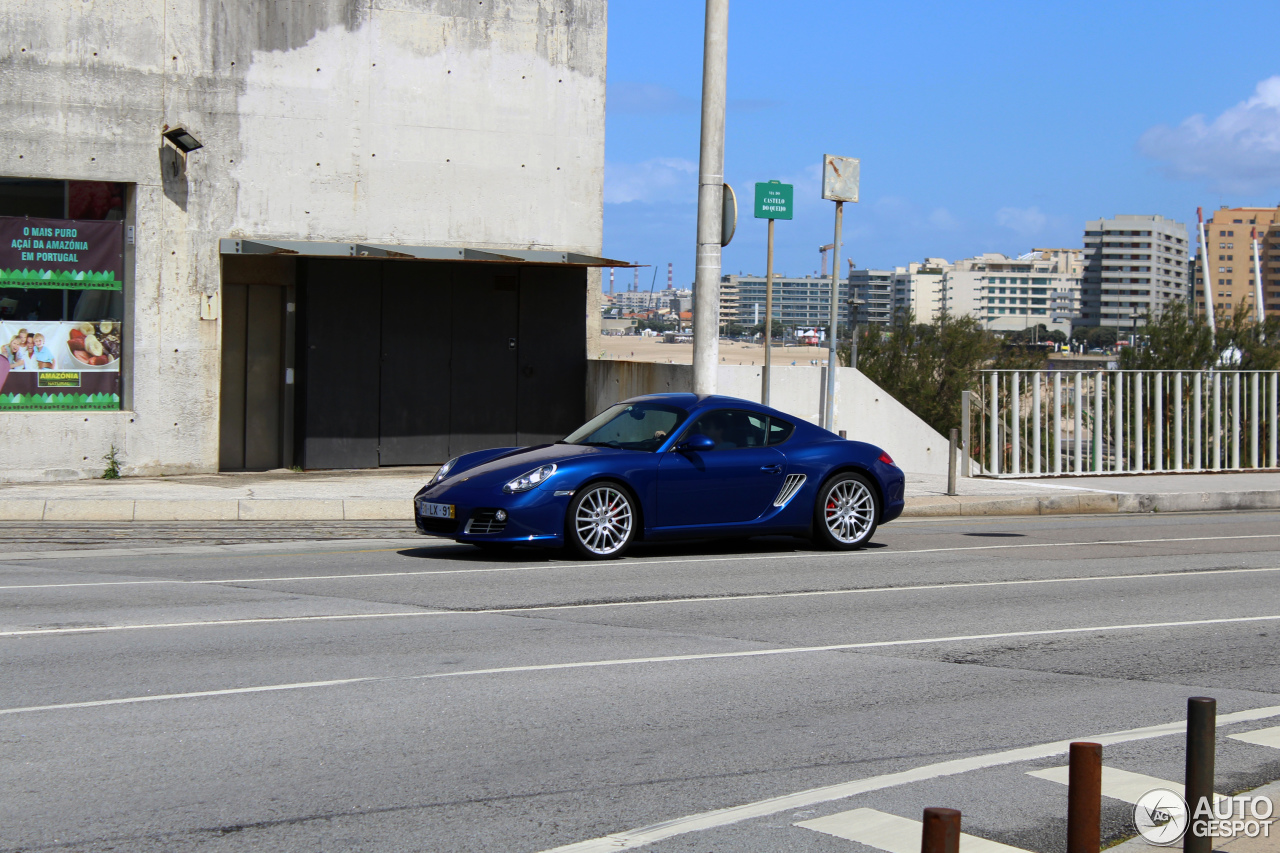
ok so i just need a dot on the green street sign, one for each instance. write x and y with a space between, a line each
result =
775 200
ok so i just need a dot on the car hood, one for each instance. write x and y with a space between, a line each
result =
512 463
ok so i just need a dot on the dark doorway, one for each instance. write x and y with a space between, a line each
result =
255 401
411 363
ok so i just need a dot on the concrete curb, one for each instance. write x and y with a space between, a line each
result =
115 509
1089 502
365 509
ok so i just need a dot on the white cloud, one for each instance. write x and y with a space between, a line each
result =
942 219
1237 152
662 179
1025 222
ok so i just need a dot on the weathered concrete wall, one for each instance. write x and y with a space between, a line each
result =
398 121
863 409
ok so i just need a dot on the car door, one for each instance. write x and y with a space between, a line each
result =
735 482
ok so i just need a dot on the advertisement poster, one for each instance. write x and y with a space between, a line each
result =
81 254
60 365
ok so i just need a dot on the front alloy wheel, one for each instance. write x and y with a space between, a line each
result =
601 521
846 513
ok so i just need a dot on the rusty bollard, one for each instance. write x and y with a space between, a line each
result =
1202 714
1084 798
941 831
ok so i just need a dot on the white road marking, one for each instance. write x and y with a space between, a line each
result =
591 664
804 799
1261 737
1118 784
626 564
653 602
892 833
255 549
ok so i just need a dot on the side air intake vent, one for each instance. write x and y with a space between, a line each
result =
789 489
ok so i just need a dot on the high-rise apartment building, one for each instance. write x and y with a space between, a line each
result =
1133 265
872 293
1230 259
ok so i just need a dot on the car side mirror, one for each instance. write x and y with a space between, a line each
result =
698 443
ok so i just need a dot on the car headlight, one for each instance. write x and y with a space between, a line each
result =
528 480
443 472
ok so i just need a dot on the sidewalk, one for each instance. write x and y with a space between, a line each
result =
387 493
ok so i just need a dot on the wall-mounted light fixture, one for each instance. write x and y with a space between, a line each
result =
182 139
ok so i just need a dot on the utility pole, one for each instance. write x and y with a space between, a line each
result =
706 281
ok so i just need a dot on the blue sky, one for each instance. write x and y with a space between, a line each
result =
982 126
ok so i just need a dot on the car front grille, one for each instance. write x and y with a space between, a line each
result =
438 526
483 521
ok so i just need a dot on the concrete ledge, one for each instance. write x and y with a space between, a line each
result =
21 510
377 510
1088 502
291 510
195 510
88 510
367 509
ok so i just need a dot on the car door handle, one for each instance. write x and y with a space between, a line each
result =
772 469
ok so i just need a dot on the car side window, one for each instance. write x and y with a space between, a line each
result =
779 431
731 429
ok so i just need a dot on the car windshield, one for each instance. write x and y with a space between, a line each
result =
630 426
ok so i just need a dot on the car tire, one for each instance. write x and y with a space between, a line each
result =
846 512
601 522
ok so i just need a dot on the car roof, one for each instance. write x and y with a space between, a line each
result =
691 402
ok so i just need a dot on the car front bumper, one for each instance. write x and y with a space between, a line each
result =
535 517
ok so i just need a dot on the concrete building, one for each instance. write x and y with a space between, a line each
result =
380 255
1230 256
918 288
873 294
1006 294
1133 265
797 302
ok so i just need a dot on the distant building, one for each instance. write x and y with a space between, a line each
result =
873 295
797 302
918 289
1006 294
1230 256
1133 265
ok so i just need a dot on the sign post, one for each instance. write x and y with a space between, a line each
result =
840 178
774 200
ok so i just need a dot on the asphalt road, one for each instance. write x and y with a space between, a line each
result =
401 695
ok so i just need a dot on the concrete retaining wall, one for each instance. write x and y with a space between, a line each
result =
863 409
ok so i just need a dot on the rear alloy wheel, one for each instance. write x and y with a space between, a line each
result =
846 512
601 522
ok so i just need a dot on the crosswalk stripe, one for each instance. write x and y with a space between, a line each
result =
1261 737
1118 784
892 833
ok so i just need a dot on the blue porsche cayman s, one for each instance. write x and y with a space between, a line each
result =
667 466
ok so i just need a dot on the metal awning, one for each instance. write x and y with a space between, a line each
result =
322 249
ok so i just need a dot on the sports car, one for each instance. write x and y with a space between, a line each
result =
667 466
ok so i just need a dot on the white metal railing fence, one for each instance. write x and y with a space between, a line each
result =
1062 422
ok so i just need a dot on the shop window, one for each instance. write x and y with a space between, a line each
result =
61 294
